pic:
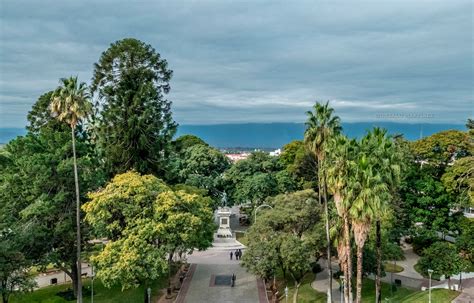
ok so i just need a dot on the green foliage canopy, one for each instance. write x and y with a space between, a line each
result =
144 220
133 119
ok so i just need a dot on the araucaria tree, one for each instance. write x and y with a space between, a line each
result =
133 121
320 127
70 103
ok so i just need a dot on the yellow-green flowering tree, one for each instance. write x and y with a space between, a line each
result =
146 222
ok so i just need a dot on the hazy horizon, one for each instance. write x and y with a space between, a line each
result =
276 134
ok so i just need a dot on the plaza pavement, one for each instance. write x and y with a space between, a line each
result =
199 286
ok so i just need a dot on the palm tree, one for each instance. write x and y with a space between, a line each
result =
340 166
70 103
363 209
320 127
385 159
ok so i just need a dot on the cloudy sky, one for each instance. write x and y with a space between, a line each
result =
256 61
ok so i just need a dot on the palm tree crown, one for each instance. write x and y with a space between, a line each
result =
320 126
70 102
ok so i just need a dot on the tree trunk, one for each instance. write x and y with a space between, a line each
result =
78 221
345 288
359 273
326 213
170 260
73 275
347 238
378 276
295 295
328 237
145 294
5 292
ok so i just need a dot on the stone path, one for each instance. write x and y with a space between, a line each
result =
199 286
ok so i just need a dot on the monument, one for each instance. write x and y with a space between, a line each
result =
223 216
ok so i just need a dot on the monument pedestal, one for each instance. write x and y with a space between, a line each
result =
223 215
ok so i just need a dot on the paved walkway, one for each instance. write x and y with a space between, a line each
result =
408 264
321 283
200 288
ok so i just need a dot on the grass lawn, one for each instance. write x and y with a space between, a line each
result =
434 276
390 267
240 236
307 294
101 294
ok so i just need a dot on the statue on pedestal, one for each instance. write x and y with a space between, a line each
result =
223 215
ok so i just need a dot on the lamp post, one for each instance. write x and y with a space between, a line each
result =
342 287
430 272
263 205
92 284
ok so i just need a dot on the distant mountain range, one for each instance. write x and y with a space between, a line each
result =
275 135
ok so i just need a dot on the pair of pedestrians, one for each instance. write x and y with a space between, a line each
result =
238 254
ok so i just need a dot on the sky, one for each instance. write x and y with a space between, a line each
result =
256 61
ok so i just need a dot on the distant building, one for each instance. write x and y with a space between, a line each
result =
237 156
275 153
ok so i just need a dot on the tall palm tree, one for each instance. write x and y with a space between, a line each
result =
385 159
320 127
340 166
70 103
370 191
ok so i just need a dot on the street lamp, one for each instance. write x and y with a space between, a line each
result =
430 272
263 205
92 283
342 287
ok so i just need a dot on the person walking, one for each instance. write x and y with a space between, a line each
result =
233 279
240 254
231 254
236 254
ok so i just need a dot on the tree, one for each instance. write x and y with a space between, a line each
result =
202 166
364 209
443 258
38 190
295 255
320 127
70 103
14 264
427 201
254 179
470 124
300 163
256 188
146 222
465 240
340 165
184 142
385 158
443 147
459 181
40 115
134 122
288 236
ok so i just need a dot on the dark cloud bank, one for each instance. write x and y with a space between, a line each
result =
256 61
